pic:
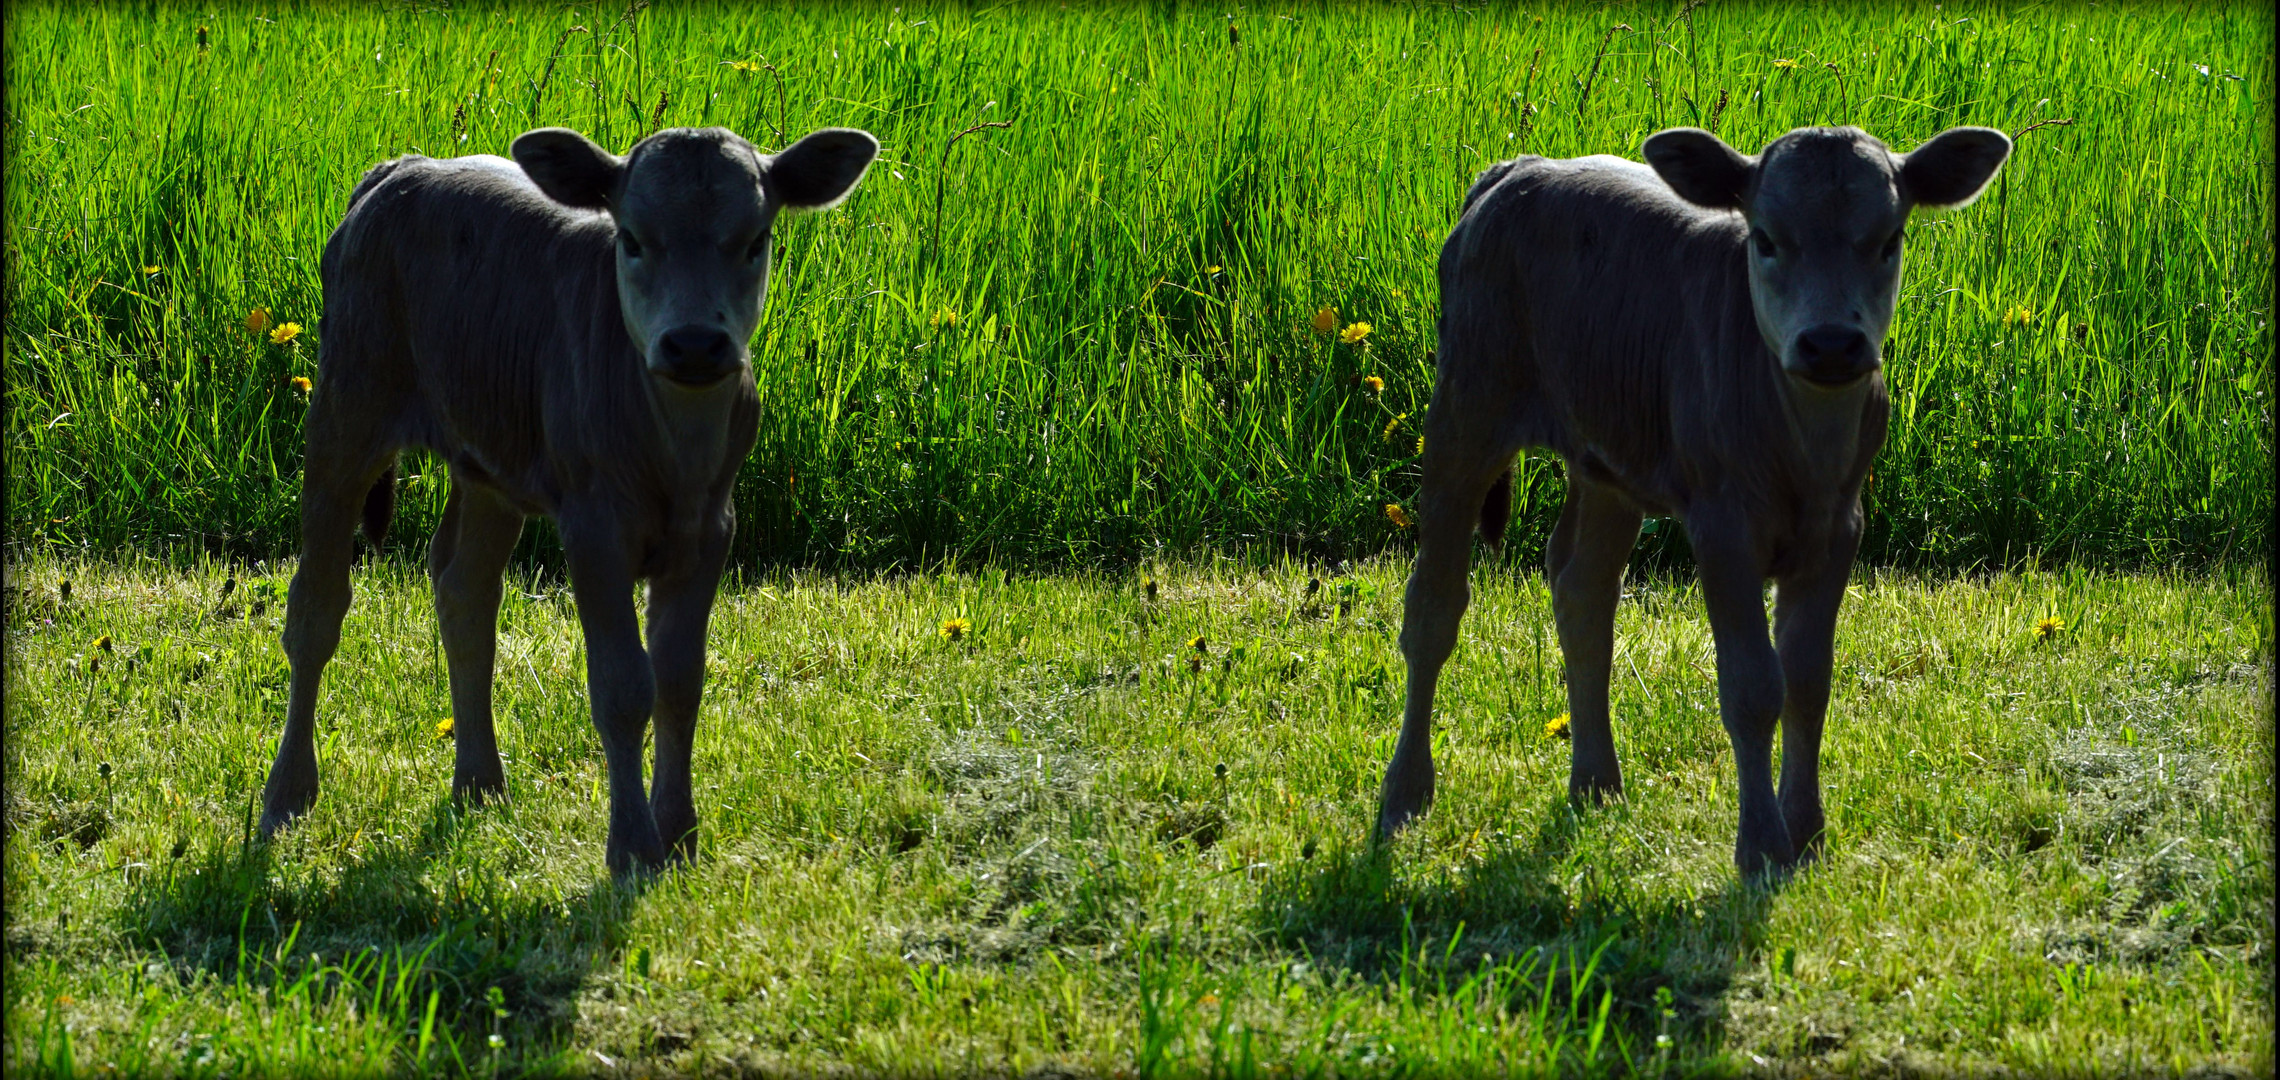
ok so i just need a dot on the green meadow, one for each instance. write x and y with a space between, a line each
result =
1073 843
1052 685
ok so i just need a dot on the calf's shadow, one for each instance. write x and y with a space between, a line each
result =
1539 908
389 924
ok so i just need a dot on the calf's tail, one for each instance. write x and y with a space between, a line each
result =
380 505
1496 510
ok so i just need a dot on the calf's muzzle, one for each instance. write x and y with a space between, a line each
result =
695 356
1832 355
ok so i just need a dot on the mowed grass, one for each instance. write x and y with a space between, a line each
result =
1075 841
1086 333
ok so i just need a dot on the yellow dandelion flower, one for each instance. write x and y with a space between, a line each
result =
1212 269
1556 727
2049 627
2018 315
103 643
1393 425
1421 445
943 317
1400 518
285 333
955 628
257 320
149 271
1374 384
1325 320
1785 63
301 383
443 728
1198 644
1354 333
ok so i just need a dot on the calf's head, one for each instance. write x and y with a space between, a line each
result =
695 209
1826 209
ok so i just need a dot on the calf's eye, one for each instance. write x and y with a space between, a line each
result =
1892 246
759 249
1762 242
632 247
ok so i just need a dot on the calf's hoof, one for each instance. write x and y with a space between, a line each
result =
479 792
1807 836
1407 794
678 834
628 863
283 802
1764 858
1392 819
1594 789
635 851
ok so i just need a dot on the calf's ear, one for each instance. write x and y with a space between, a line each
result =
568 167
1954 167
1703 170
819 170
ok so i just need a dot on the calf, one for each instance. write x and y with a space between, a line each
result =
569 330
1700 337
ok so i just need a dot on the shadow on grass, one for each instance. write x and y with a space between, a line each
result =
1545 916
442 948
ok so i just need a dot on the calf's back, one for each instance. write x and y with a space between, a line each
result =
484 317
1610 321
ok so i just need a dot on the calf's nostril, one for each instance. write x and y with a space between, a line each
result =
696 354
696 343
1833 343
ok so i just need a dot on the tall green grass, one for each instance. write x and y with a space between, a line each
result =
1049 367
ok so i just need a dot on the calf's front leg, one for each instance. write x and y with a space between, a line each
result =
680 609
1805 631
1749 681
619 686
1456 483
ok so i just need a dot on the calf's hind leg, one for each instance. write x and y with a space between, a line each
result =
342 464
1584 564
465 562
1456 482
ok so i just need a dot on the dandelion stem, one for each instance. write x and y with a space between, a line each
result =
538 91
783 111
1596 57
2017 135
